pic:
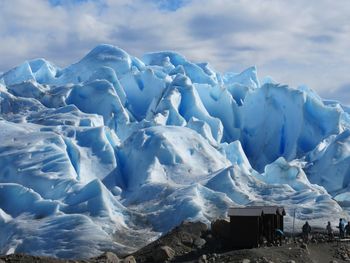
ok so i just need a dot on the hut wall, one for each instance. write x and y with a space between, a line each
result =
246 231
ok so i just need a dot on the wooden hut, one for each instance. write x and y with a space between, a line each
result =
252 224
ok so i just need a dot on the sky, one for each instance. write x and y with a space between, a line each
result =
299 42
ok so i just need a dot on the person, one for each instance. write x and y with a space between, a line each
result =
341 228
279 236
330 231
306 232
347 229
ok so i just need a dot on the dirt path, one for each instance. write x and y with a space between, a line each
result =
323 253
314 253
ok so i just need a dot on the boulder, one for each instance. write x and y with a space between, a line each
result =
163 253
107 257
195 228
303 245
203 259
265 260
186 238
220 229
129 259
199 242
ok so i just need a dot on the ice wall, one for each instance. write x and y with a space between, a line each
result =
113 150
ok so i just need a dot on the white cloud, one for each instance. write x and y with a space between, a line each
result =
296 42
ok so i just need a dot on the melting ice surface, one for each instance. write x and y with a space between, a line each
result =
113 150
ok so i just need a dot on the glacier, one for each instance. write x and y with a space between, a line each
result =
112 151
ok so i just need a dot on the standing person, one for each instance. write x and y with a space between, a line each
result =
330 231
341 228
306 232
347 229
279 236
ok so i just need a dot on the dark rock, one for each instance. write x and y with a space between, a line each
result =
195 228
203 259
186 238
215 255
265 260
129 259
345 257
221 229
180 239
199 242
209 236
107 257
163 253
303 245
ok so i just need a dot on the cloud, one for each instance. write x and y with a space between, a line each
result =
296 42
320 39
340 94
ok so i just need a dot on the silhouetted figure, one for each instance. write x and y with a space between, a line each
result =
330 232
306 232
279 237
341 227
347 229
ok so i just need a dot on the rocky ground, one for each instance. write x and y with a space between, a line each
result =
194 242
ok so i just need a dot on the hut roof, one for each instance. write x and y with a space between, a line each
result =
256 211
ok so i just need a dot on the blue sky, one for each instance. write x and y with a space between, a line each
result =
296 42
